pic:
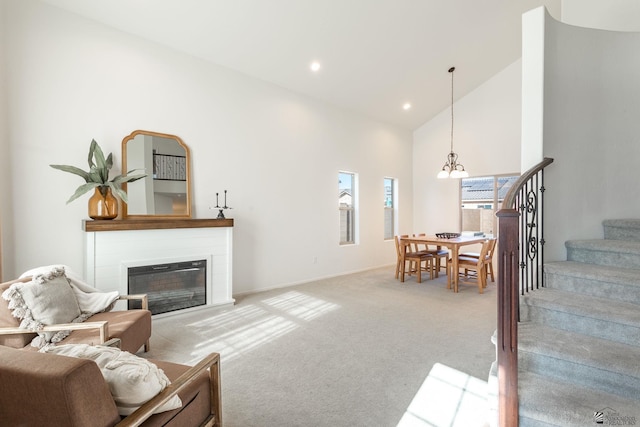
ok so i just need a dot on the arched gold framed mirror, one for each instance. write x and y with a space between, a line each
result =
166 190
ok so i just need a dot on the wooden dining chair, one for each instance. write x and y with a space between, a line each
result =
412 268
398 253
488 258
414 259
467 264
439 254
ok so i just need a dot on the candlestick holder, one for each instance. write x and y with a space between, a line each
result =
221 209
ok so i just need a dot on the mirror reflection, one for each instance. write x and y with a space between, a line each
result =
165 191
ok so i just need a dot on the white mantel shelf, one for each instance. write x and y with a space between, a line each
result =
113 246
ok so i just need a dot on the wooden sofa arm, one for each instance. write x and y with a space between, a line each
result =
211 362
102 326
142 297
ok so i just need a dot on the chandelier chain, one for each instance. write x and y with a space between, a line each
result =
451 70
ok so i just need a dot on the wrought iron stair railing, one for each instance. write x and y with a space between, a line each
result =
520 250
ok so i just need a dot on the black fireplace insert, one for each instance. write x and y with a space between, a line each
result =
169 287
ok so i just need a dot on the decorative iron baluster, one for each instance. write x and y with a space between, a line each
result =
541 237
531 229
529 202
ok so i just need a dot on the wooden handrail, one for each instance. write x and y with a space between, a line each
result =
510 198
509 267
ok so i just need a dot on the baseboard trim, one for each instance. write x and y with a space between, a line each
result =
315 279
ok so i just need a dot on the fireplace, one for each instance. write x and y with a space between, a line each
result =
171 286
114 247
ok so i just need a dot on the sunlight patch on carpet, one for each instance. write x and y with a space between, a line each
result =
448 398
233 318
238 341
299 305
242 329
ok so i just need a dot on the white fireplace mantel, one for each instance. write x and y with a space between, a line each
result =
113 246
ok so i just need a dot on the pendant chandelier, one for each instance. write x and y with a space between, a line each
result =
451 168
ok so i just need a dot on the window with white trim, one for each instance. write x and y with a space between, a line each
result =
347 207
389 208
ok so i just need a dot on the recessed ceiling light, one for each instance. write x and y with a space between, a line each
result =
406 106
315 66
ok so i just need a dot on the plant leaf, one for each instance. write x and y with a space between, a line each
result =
92 148
74 170
98 155
120 179
119 191
96 176
101 165
133 178
84 188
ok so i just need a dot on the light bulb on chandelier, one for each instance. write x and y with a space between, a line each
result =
451 168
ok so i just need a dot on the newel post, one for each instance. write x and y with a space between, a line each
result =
508 300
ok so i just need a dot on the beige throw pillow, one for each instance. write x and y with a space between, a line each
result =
90 300
47 299
132 380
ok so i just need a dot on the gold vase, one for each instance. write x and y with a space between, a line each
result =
103 204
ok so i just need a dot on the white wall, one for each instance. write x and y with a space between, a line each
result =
532 88
71 80
486 136
591 129
616 15
5 164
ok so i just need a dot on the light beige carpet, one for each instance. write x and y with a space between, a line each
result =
355 350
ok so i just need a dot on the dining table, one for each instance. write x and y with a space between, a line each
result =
453 244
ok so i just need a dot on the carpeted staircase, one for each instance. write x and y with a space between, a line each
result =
579 337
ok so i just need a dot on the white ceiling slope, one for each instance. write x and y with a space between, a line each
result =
375 54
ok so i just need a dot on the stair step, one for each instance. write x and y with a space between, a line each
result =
616 253
622 229
596 280
545 402
598 317
579 335
580 359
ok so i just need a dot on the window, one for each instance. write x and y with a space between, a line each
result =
389 208
480 199
346 206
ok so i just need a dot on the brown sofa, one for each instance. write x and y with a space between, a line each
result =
131 327
40 389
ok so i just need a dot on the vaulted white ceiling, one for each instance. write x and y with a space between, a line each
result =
375 55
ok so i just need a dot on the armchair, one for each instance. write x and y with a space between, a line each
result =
55 390
132 327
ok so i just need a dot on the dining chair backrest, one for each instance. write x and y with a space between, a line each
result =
484 251
491 249
399 244
396 240
488 260
472 263
417 245
481 257
415 259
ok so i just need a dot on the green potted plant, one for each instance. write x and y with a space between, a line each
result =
103 204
